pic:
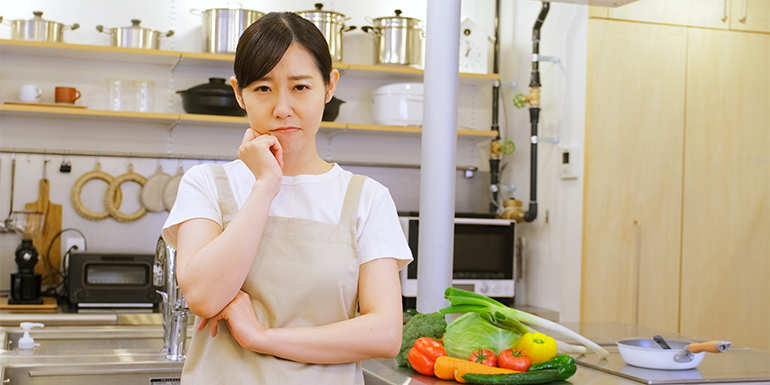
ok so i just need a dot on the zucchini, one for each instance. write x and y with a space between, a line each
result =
524 378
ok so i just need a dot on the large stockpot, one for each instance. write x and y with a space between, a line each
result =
222 27
134 36
38 29
399 40
332 25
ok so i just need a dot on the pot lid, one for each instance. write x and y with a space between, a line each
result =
318 11
38 17
396 21
215 86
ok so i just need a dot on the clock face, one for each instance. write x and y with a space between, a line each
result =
473 54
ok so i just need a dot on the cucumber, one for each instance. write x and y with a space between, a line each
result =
524 378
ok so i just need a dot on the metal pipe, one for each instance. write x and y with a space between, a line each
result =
439 147
534 112
494 156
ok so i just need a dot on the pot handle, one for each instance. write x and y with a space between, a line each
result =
196 12
100 28
372 30
169 33
72 27
350 28
710 346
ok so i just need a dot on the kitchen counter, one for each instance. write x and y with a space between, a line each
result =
140 364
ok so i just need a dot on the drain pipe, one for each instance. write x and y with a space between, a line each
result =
494 146
533 99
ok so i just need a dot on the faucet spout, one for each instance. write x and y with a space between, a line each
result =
173 307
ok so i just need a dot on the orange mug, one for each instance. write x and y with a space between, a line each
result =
66 95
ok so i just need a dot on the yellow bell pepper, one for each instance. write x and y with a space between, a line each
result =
538 347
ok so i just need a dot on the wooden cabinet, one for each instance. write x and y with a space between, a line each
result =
750 15
632 200
726 213
678 141
694 13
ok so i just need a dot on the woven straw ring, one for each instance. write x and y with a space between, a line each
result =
115 213
77 204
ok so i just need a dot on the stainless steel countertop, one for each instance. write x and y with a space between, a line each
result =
377 371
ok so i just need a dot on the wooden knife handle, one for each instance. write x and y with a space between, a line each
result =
710 346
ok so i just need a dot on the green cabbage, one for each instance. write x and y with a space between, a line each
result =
471 332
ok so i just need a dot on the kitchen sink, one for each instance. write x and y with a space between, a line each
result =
103 337
114 373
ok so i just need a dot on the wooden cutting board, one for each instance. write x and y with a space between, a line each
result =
51 226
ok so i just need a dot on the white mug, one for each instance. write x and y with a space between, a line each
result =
30 93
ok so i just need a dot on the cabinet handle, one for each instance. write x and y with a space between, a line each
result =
638 265
745 11
727 11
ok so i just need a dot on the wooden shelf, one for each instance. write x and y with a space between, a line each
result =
204 120
209 60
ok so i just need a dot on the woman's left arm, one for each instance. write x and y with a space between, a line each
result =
376 333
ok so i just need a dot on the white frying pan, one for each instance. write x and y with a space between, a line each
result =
681 355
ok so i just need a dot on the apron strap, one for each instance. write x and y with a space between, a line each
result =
226 198
350 204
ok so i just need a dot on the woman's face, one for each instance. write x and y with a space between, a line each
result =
289 101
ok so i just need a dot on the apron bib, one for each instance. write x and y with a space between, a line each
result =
304 274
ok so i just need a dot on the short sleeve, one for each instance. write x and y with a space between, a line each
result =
379 231
197 197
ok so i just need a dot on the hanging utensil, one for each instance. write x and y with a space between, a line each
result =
8 223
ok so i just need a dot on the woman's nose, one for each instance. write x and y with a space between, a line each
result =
282 107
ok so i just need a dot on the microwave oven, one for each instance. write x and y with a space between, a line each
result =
484 259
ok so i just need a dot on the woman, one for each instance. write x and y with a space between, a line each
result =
278 250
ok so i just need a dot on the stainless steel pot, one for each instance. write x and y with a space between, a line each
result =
222 27
134 36
38 29
332 25
399 40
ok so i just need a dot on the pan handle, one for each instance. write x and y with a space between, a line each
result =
710 346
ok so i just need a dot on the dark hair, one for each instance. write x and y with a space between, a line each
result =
263 44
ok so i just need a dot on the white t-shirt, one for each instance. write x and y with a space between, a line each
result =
315 197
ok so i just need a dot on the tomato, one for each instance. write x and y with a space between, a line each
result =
512 359
484 357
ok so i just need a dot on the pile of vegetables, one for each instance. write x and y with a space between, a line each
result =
490 344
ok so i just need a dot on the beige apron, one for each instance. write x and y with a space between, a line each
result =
305 273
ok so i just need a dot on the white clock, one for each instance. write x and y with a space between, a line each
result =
474 48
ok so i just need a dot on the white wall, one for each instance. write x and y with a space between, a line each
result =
554 244
553 279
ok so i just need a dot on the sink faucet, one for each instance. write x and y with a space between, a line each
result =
173 307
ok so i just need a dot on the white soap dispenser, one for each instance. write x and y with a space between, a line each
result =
26 342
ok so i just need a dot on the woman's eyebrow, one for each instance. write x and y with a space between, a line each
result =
300 77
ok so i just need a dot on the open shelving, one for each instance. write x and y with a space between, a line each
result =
199 120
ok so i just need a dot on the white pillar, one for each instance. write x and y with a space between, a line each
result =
439 146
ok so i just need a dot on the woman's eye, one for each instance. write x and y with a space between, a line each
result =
262 89
301 87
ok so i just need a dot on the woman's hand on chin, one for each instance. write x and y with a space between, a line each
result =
263 155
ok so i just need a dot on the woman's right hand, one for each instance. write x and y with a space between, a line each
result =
263 155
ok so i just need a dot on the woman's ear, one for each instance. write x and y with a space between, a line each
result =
237 90
334 76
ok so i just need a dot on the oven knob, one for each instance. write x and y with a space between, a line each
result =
495 288
80 294
484 288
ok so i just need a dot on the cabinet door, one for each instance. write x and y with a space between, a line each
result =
750 15
694 13
726 223
633 162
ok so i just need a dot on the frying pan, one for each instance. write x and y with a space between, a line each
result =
647 353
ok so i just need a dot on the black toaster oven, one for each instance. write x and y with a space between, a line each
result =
112 280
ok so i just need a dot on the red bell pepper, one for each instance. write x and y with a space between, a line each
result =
422 356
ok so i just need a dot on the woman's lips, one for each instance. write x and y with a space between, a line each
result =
285 129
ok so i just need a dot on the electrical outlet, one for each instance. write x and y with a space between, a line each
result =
75 241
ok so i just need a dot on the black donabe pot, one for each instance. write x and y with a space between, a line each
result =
332 109
212 98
